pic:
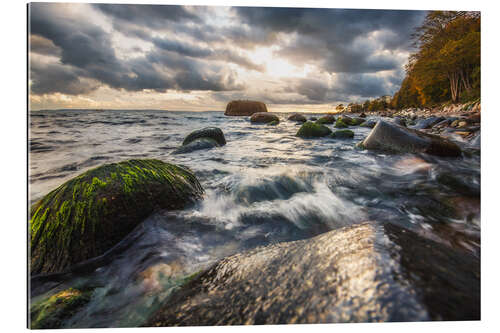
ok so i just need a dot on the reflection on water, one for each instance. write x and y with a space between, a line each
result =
265 186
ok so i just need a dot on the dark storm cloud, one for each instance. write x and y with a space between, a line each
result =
196 51
338 40
87 49
56 78
44 46
152 16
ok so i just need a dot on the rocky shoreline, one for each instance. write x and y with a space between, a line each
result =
112 199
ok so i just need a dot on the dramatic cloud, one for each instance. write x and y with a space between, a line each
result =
279 55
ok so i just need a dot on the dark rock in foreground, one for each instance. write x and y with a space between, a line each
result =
244 108
92 212
364 273
214 133
313 130
263 118
197 144
390 137
297 117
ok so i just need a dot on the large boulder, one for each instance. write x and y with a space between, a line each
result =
244 108
328 119
89 214
369 272
214 133
263 118
298 118
391 137
313 130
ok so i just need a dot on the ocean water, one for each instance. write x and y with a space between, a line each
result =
265 186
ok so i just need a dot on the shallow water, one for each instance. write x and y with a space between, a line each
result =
264 186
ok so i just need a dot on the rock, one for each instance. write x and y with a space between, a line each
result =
474 118
363 273
390 137
92 212
340 124
328 119
244 108
342 134
357 121
51 312
313 130
362 115
263 118
369 124
399 121
214 133
476 142
197 144
274 123
313 118
462 124
429 122
297 117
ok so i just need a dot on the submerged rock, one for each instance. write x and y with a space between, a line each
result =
244 108
92 212
399 121
197 144
328 119
263 118
313 118
363 273
297 117
214 133
313 130
391 137
342 134
274 123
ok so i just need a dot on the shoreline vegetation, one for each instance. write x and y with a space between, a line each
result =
436 112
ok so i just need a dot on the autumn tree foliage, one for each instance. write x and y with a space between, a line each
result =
447 64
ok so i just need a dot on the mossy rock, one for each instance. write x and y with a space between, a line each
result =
313 130
357 121
340 124
92 212
51 312
342 134
263 118
328 119
274 123
214 133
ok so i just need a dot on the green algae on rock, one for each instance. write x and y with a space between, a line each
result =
342 134
340 123
51 312
328 119
313 130
92 212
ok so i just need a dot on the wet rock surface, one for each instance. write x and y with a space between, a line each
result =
263 118
391 137
364 273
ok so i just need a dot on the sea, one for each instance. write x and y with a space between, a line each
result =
265 186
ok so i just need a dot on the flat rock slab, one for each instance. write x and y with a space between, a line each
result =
244 108
369 272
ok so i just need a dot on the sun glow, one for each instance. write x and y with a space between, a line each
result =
276 66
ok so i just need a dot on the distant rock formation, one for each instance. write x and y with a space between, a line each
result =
244 108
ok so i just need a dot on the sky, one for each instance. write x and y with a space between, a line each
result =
198 58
